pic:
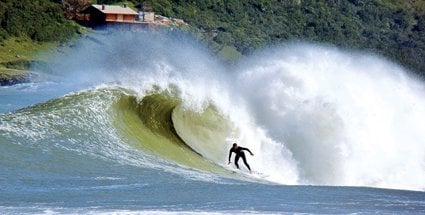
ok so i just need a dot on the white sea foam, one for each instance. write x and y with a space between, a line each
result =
319 115
346 118
311 114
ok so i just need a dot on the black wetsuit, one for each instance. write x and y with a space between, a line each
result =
239 154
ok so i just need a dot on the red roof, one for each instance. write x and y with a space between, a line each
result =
113 9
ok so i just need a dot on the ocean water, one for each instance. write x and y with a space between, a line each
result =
141 123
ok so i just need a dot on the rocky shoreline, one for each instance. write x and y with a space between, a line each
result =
13 81
12 77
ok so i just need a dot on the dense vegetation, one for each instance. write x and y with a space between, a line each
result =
40 20
393 28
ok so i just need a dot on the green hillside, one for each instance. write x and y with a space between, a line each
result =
393 28
40 20
27 27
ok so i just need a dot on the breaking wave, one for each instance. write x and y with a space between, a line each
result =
311 114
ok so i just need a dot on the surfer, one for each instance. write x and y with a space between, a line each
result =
238 150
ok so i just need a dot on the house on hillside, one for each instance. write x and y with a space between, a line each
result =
124 18
103 14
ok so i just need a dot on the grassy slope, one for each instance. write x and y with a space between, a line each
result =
16 49
16 54
6 73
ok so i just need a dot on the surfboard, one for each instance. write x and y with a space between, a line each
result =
253 173
260 174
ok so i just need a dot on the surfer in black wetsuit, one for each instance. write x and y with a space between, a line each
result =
238 150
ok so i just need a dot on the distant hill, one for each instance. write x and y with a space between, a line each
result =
393 28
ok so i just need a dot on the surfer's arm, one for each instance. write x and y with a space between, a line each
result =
230 155
248 150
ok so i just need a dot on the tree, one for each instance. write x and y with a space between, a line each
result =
72 7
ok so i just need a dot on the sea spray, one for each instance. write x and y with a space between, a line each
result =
347 118
311 114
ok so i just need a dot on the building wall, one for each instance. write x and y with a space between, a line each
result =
111 17
129 18
120 18
148 17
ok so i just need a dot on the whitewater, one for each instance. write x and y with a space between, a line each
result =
127 123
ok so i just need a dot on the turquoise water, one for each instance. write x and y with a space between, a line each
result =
149 133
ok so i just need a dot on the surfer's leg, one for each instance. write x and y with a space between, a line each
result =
236 161
246 163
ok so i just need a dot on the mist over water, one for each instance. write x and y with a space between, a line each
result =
311 114
347 118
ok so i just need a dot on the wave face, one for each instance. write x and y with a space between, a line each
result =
311 114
